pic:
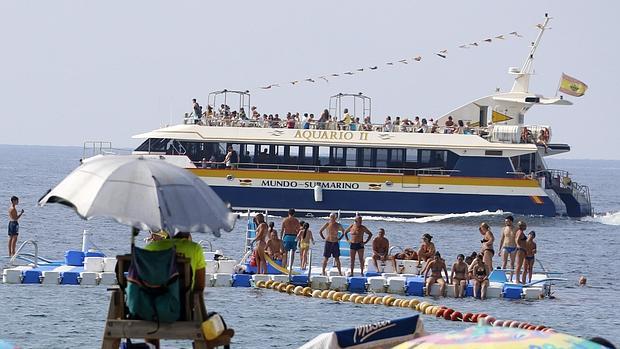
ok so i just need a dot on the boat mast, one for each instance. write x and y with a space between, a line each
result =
522 80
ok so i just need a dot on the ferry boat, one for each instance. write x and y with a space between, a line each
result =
493 162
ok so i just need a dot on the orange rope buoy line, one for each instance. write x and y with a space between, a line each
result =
423 307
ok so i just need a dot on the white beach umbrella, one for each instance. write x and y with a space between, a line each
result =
147 194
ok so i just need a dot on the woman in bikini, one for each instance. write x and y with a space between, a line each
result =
274 245
435 266
259 250
486 250
304 238
481 277
520 239
459 276
530 253
427 249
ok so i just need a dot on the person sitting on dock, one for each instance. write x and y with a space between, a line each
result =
436 266
274 244
458 276
471 258
357 230
304 238
427 249
290 229
332 247
520 239
481 277
530 253
380 250
507 244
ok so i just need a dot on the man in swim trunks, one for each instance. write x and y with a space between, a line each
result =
530 253
14 217
289 231
357 230
380 248
436 266
507 244
520 239
459 276
332 248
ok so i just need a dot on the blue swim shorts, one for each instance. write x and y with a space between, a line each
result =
510 249
13 228
290 242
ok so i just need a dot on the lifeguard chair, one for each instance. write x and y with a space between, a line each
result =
193 313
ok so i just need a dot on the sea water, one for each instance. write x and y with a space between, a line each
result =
37 316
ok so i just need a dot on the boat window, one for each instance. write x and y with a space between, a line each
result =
308 153
154 145
323 156
382 158
293 155
263 156
425 156
411 155
351 157
396 155
337 156
366 155
250 153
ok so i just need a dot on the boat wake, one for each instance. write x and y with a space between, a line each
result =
609 218
437 218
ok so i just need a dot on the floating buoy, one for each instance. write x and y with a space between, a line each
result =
275 285
290 288
298 290
359 299
366 299
498 323
447 314
345 297
405 303
467 317
330 294
413 303
260 284
456 316
352 297
489 320
515 324
307 291
316 294
338 296
324 293
268 283
378 301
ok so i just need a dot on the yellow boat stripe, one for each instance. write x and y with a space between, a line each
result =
363 177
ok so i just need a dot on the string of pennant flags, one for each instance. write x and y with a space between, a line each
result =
443 54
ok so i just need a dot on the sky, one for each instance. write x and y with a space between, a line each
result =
75 71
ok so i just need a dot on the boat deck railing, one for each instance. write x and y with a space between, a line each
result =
561 181
19 255
405 127
93 148
427 171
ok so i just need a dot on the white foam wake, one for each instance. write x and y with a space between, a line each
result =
609 218
437 218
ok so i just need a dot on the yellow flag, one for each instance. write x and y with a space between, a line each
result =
572 86
499 117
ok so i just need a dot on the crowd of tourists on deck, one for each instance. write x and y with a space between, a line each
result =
224 116
517 250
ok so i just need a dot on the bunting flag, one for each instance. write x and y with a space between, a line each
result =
568 85
572 86
499 117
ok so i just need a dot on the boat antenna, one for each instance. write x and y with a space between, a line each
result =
522 80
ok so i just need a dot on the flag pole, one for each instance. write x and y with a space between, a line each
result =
559 84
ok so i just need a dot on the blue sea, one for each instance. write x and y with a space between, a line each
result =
36 316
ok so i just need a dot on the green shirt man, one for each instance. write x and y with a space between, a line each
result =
190 250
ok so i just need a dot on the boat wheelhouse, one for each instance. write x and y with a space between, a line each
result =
394 169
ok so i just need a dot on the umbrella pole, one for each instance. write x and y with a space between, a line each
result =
134 233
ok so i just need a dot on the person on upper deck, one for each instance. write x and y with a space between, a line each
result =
322 123
367 124
347 118
423 126
449 125
387 125
197 110
416 123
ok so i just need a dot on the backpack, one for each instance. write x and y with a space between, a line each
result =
152 291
